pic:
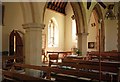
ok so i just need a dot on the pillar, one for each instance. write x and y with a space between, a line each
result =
82 43
33 44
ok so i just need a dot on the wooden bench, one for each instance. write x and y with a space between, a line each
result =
8 61
64 53
17 77
49 73
20 77
80 69
102 71
110 56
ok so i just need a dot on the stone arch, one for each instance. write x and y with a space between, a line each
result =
79 11
27 12
54 20
32 13
81 23
100 21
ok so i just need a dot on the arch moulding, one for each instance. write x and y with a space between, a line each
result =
100 20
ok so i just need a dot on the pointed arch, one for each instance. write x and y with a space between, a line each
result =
53 32
81 24
27 12
54 20
79 11
11 43
15 44
99 21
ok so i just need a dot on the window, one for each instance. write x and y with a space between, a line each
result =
74 36
14 44
52 34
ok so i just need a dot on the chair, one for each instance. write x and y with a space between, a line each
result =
45 58
53 59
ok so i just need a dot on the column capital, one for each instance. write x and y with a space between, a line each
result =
33 25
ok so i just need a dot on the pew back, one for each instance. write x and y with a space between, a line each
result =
110 56
79 69
12 73
103 68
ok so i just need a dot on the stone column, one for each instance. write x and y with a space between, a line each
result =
82 43
33 44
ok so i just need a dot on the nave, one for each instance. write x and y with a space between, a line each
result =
60 41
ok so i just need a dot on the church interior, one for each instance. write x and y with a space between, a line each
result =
60 40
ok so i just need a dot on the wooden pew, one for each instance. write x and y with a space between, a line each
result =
78 71
4 58
8 61
106 66
108 71
60 53
64 53
22 77
12 74
110 56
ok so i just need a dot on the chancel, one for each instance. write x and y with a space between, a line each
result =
60 40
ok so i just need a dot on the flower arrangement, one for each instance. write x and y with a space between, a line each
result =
78 52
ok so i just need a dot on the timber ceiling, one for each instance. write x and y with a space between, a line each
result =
57 5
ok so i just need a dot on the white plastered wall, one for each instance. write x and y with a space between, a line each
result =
91 33
13 19
60 18
110 27
68 27
111 35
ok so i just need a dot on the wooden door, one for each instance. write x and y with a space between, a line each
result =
16 44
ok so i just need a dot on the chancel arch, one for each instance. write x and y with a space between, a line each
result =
81 24
81 29
36 19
